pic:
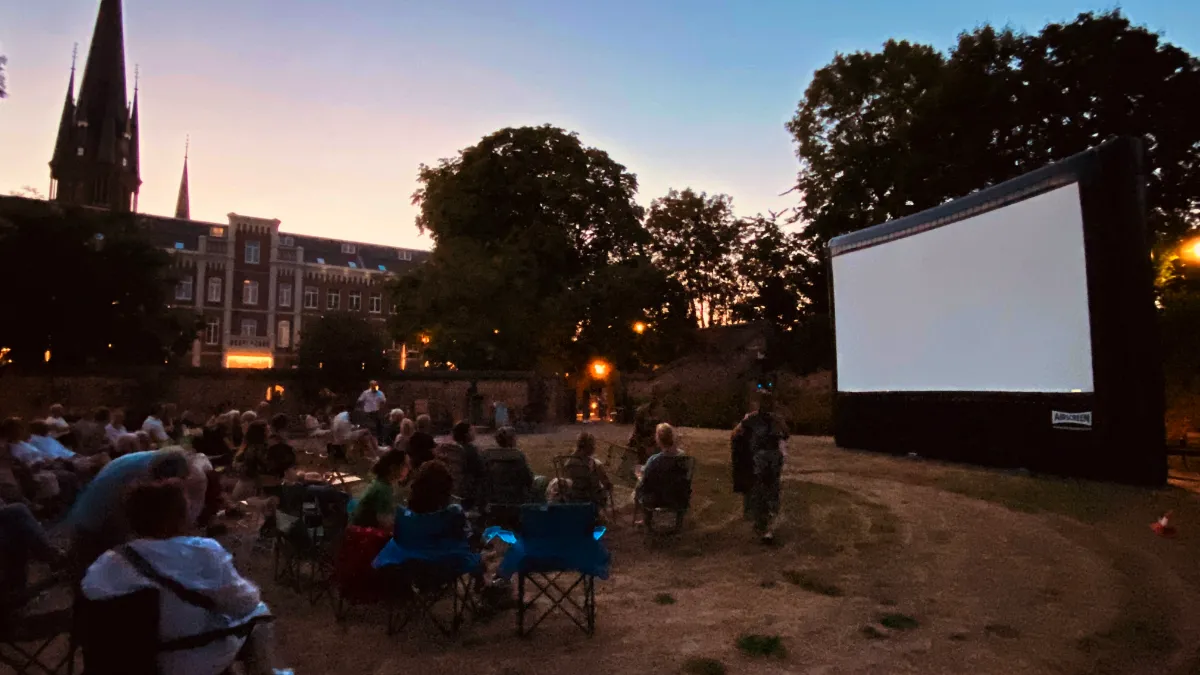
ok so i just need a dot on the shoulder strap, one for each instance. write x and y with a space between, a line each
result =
147 570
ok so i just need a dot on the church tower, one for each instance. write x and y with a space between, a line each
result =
95 160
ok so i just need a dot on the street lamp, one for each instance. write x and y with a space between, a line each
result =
600 369
639 327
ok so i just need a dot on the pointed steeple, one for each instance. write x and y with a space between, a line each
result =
66 124
102 95
183 205
131 130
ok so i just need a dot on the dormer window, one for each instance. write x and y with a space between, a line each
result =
405 255
349 248
320 261
353 265
79 152
217 232
179 246
382 268
287 241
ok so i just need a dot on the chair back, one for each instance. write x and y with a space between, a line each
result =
451 454
505 480
579 476
428 531
563 522
668 482
119 636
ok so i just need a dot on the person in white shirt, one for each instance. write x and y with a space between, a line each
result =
349 436
115 428
154 427
58 426
372 401
200 590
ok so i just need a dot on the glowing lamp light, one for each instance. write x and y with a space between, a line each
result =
1193 249
47 356
424 339
600 369
639 327
257 361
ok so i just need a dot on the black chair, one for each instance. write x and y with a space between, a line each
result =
579 483
31 639
310 522
119 636
667 490
505 490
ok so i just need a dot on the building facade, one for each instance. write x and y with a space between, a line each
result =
253 285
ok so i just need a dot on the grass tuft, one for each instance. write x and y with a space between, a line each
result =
703 666
664 599
897 621
753 644
812 584
872 633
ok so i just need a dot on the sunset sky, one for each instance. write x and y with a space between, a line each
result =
319 112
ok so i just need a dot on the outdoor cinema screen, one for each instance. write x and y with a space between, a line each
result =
995 302
1015 326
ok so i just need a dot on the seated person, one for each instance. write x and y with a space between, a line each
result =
588 481
420 445
656 476
155 426
97 521
47 477
91 435
377 507
56 423
251 462
509 480
391 428
115 427
351 437
470 473
22 539
160 553
50 447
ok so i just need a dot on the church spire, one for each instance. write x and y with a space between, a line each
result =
183 205
95 160
66 124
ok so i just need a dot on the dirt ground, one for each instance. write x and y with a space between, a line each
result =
882 565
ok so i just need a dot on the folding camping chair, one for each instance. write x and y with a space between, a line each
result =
669 492
119 636
582 483
310 523
557 552
428 560
503 493
31 638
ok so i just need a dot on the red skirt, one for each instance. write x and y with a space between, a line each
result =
356 579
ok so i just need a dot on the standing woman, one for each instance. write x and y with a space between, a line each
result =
757 461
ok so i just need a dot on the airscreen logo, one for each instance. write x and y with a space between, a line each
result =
1067 420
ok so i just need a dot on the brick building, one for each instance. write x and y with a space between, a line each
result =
253 285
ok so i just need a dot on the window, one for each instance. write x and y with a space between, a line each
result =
353 265
349 248
79 152
183 289
179 246
320 261
252 252
249 328
287 241
382 268
212 331
355 301
333 300
405 255
250 292
310 297
285 295
216 231
124 161
214 289
376 303
283 337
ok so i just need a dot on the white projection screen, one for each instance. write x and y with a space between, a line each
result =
996 302
1015 326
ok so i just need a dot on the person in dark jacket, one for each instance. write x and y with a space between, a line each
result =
470 469
420 447
757 461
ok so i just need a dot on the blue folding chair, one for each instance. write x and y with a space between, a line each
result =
557 551
429 558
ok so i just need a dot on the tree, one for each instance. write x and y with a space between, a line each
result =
883 135
29 192
775 269
86 288
694 238
340 350
887 134
3 88
525 223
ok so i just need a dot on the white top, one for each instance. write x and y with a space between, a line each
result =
372 400
58 426
154 427
199 564
114 433
342 427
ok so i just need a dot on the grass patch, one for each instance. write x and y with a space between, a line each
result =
664 599
703 666
1133 637
1002 631
767 583
1086 501
753 644
811 584
897 621
872 633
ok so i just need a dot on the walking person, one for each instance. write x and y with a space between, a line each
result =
757 461
372 401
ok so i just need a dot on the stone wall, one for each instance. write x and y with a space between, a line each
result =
443 396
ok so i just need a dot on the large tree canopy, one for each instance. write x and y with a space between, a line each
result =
531 226
886 134
694 237
87 288
341 350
